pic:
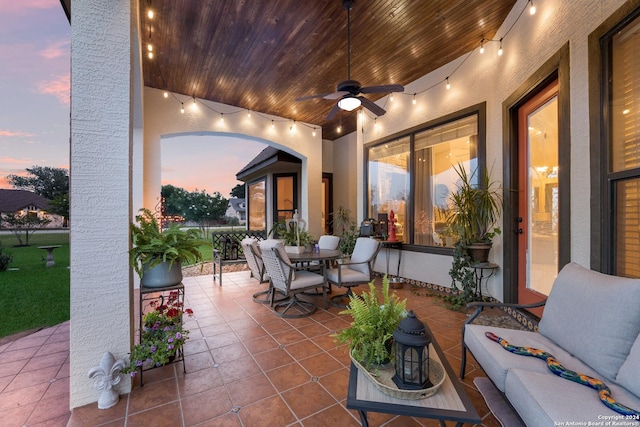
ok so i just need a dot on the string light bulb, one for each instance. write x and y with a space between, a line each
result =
150 13
482 46
448 84
166 94
391 97
314 132
249 113
500 49
339 129
222 117
273 125
150 47
293 125
150 55
375 122
414 99
532 8
182 107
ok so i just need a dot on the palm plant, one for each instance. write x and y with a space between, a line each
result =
476 208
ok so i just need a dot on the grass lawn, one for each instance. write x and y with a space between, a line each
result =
34 296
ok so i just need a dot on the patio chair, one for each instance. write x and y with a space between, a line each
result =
325 241
284 277
357 271
254 261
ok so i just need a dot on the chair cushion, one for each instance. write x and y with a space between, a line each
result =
544 399
349 276
629 373
496 361
328 242
363 251
306 279
593 316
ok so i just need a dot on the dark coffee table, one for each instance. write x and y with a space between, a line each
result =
451 402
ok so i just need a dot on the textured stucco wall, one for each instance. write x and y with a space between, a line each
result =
101 86
492 78
162 118
345 175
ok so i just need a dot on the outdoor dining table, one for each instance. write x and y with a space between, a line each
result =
321 255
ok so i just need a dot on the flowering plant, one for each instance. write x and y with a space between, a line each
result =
162 335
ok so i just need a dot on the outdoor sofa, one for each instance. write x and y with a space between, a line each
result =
591 324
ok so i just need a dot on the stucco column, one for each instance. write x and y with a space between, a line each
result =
101 136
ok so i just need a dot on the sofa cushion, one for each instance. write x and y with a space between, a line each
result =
593 316
629 373
544 399
496 361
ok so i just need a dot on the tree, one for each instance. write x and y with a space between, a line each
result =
238 191
50 183
196 206
24 226
43 180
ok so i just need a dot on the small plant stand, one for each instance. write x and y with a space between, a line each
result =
159 295
482 271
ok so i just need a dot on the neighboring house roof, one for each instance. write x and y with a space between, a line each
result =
238 204
268 156
15 200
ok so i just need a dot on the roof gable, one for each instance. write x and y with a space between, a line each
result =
15 200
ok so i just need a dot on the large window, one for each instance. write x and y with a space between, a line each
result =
285 196
621 207
413 174
257 205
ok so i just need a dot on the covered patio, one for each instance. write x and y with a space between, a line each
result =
121 109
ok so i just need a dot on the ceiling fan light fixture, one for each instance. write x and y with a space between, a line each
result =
349 103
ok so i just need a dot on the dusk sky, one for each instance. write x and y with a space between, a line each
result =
35 41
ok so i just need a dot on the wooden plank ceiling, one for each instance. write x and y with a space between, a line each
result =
261 55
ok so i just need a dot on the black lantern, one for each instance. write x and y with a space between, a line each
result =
411 347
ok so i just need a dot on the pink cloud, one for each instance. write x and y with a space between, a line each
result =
59 87
25 5
13 160
15 134
56 49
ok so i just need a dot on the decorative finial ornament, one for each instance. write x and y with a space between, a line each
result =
107 375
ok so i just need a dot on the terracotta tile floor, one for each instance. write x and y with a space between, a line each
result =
245 367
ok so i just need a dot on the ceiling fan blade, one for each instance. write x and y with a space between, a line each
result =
382 89
371 106
336 95
322 95
333 112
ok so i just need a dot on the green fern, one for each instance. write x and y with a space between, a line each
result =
371 332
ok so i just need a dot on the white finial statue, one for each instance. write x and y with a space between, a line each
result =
107 375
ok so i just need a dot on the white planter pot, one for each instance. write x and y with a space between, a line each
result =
294 249
161 275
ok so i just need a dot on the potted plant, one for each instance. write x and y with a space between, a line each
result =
375 317
294 240
349 232
161 337
157 255
475 210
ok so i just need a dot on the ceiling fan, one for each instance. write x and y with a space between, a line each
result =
348 92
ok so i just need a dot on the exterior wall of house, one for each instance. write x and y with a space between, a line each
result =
492 79
163 119
345 177
101 138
